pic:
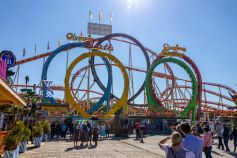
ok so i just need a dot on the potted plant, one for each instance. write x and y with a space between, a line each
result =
12 141
25 136
46 129
37 133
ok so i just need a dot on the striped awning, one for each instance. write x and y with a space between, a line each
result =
9 96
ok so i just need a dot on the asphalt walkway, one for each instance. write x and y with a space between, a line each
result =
112 148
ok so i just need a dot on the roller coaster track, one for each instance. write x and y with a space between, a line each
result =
204 90
23 61
157 74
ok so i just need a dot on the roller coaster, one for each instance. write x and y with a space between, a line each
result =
163 93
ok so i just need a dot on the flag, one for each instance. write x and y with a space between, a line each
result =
100 15
24 52
111 17
90 15
48 46
35 49
59 43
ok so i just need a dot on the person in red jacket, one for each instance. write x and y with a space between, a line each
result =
137 127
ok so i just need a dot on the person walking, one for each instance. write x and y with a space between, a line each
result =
107 128
71 130
53 130
191 142
102 130
76 134
146 129
84 135
137 127
89 126
142 130
234 137
219 132
64 130
207 142
212 130
175 150
58 130
226 137
95 134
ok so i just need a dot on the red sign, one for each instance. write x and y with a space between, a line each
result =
3 69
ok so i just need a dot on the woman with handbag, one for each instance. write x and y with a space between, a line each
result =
207 145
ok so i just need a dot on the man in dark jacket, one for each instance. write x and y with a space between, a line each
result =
226 136
234 137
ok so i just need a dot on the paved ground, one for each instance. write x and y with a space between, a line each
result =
151 144
114 148
105 149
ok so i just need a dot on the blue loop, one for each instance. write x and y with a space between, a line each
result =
47 63
107 91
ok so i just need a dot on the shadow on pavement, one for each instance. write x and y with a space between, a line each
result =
216 153
92 147
32 147
119 138
233 154
69 149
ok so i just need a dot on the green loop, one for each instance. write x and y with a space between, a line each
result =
191 105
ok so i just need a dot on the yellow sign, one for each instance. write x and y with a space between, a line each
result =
172 51
72 36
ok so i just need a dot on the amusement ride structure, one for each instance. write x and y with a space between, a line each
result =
178 97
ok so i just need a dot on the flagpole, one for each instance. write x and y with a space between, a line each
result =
17 80
110 18
18 68
110 52
88 71
35 49
90 16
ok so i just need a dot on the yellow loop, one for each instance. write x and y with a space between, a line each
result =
122 102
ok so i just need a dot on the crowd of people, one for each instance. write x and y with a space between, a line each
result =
81 132
187 141
190 141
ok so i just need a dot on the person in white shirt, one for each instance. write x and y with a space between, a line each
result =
212 130
175 150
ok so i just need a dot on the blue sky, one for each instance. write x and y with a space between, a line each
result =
206 28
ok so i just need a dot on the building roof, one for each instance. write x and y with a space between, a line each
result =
9 96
